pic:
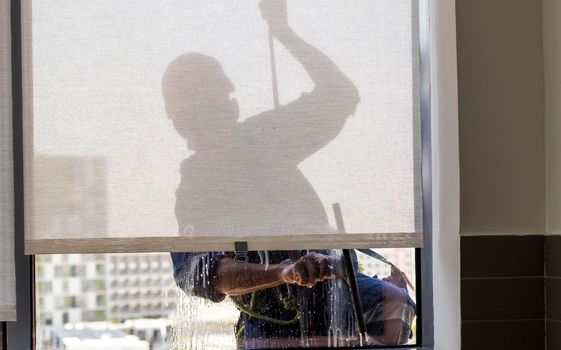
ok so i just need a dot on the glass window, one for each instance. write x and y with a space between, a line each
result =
125 301
152 309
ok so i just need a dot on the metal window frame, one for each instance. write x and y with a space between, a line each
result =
20 335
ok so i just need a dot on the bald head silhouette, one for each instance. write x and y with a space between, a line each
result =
197 99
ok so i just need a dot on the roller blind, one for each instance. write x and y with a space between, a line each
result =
190 125
7 267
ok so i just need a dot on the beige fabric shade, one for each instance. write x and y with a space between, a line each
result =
7 267
152 126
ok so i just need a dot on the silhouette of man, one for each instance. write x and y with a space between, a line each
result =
244 179
246 174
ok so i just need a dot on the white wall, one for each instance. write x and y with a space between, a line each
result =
446 182
552 58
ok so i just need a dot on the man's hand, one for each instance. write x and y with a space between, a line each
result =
307 270
275 13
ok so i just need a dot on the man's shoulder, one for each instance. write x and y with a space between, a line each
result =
256 119
271 113
190 163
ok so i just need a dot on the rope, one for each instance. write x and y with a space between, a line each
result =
288 304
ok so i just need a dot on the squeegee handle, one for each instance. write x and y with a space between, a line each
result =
274 79
353 286
350 276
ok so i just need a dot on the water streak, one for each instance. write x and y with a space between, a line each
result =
198 323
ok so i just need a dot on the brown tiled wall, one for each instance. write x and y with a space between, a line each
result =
553 291
503 293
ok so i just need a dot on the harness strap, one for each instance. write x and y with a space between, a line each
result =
249 310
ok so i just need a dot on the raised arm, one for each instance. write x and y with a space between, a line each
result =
302 127
323 72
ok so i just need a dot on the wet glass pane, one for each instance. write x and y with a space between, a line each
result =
151 301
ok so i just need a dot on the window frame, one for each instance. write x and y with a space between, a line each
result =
21 333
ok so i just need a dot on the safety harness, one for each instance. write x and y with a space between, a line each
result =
290 302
